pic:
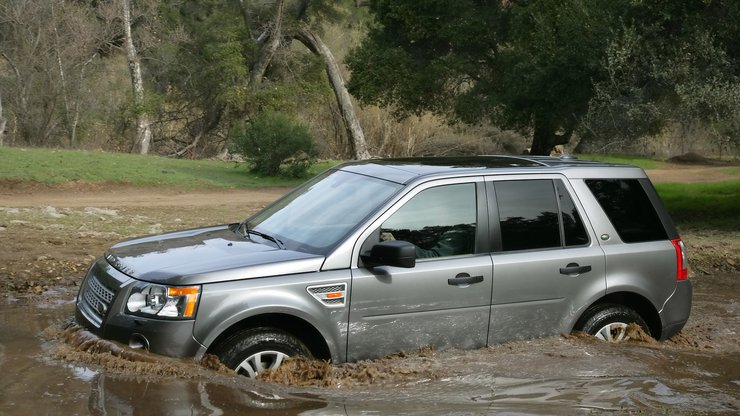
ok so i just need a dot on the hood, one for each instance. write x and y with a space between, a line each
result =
205 255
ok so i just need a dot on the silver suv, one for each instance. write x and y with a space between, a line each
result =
380 256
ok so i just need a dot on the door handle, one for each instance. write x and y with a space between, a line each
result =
464 279
573 269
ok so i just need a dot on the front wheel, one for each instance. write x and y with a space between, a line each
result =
609 322
252 351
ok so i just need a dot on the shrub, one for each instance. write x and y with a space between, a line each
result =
275 144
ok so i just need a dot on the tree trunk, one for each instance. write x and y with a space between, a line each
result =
63 83
266 52
244 6
545 137
21 96
2 123
351 123
143 130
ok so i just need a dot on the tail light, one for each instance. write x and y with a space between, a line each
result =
682 271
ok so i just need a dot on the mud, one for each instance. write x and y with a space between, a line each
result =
52 367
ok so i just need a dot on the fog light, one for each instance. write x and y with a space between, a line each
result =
138 341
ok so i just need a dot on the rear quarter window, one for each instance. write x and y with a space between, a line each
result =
629 209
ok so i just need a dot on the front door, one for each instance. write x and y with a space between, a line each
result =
444 301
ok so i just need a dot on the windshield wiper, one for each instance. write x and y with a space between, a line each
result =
244 228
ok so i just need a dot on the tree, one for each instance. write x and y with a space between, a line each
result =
674 64
525 65
3 122
143 129
298 28
314 43
44 50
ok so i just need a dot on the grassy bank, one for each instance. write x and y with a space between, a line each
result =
51 167
708 205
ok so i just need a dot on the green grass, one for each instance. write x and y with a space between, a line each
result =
643 162
49 166
710 205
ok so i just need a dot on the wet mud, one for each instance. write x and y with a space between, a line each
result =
50 366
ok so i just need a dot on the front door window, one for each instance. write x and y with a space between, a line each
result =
439 221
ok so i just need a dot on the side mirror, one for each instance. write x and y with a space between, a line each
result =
395 253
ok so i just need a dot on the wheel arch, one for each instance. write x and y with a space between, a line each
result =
632 300
294 325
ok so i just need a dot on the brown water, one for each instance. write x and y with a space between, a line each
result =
47 369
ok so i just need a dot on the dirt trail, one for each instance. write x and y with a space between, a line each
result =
693 174
116 196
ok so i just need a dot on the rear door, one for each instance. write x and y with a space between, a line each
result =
445 300
547 265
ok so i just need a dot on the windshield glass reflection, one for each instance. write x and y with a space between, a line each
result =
318 215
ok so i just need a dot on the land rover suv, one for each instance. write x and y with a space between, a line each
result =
380 256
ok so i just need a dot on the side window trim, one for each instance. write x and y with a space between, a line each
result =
561 225
494 231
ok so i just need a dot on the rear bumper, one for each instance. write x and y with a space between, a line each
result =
676 310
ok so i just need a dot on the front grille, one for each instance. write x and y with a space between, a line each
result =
95 300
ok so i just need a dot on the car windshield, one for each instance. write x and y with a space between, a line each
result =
321 213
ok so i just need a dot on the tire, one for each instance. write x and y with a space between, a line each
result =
608 322
251 351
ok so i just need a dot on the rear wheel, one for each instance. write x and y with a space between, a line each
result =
609 322
252 351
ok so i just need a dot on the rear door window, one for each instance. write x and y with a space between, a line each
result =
629 209
537 214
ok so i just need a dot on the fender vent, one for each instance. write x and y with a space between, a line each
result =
333 295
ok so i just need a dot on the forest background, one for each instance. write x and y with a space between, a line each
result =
355 79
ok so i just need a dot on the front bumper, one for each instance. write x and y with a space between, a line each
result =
100 308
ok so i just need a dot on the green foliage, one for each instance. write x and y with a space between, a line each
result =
60 166
275 144
541 66
523 65
671 63
420 55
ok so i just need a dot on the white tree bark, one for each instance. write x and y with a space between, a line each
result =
314 43
71 131
143 129
2 122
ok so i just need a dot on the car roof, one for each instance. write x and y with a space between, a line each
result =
405 170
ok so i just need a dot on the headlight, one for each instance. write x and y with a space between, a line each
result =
163 301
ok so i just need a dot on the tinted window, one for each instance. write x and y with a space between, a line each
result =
573 229
537 214
440 221
628 208
528 214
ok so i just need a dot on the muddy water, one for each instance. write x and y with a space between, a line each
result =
41 373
